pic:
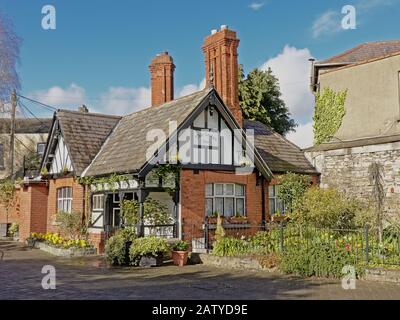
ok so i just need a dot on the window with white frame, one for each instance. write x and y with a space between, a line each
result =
64 199
98 202
228 199
276 206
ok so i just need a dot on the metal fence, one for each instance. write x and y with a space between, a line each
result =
362 244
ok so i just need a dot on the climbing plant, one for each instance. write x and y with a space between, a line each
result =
7 193
328 114
111 181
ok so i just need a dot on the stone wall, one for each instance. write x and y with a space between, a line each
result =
348 170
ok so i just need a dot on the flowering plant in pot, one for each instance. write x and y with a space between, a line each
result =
214 217
238 219
180 253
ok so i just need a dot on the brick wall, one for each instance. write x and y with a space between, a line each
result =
78 199
33 209
193 196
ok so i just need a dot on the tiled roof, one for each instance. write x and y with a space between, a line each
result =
28 126
84 134
280 154
125 150
365 52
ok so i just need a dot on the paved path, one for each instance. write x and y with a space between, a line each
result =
90 278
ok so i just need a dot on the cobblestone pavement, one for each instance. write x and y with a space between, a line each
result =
90 278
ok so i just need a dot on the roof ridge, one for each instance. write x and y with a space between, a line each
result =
169 102
96 114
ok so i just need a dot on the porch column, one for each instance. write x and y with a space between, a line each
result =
142 195
175 199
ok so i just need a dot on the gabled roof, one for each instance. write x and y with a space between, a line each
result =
27 126
280 154
125 150
364 52
84 134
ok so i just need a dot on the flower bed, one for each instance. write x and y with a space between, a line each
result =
56 245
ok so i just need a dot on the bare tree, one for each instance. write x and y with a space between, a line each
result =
9 56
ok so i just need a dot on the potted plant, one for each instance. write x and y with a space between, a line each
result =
214 217
148 251
180 253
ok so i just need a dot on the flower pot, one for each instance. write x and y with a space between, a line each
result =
180 258
31 243
151 261
238 220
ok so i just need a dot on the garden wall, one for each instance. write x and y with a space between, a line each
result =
347 169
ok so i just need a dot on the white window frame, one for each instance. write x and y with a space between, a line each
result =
98 202
64 202
225 196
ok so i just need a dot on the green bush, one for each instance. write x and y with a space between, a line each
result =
71 224
13 230
265 242
148 246
231 247
327 208
321 259
116 249
292 188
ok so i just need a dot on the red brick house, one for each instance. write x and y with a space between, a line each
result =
226 164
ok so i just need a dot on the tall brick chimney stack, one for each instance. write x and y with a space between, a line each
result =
162 79
221 58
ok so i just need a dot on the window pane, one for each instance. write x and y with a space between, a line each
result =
239 190
229 207
240 206
271 207
271 191
229 189
209 190
209 207
280 206
219 205
219 189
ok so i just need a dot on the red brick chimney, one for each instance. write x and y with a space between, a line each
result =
162 79
221 58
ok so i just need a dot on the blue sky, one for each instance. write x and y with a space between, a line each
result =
100 50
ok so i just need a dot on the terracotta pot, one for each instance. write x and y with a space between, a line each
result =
180 258
235 220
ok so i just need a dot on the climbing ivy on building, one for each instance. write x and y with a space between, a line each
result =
328 114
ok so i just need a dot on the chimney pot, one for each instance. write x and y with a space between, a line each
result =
224 27
214 31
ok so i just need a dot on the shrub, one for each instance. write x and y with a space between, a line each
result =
13 230
71 224
180 246
327 208
265 242
321 259
148 246
117 247
292 188
231 247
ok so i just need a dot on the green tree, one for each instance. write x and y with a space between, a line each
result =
260 99
7 193
292 188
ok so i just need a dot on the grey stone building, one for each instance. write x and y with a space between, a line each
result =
370 130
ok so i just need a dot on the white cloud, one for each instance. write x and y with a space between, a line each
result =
123 100
191 88
73 95
304 135
256 6
327 23
292 68
115 100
